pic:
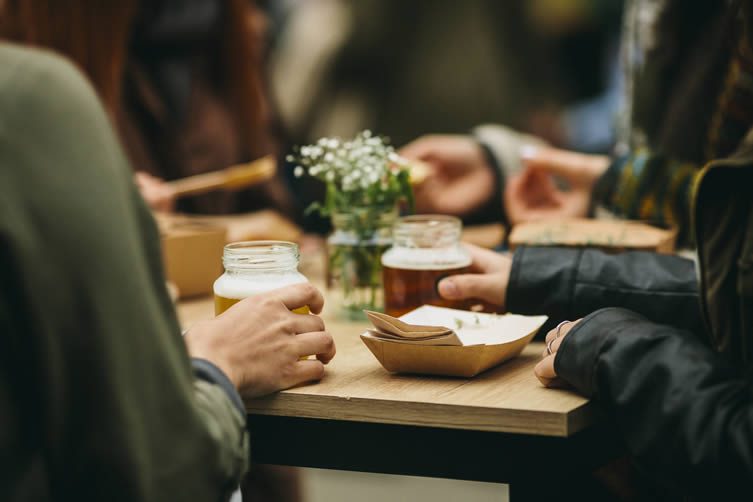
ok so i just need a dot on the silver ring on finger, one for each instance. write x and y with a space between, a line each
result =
549 346
558 328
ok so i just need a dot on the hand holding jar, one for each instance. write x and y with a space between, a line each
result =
264 331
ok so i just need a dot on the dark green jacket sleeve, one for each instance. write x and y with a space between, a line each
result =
685 414
97 396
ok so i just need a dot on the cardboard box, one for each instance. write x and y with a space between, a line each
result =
260 225
192 254
608 235
192 244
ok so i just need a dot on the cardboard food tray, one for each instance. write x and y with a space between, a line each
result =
608 235
445 360
449 360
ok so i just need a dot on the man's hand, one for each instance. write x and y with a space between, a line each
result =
545 368
460 181
258 342
155 191
534 195
488 282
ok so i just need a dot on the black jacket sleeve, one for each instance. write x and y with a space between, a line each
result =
685 414
567 283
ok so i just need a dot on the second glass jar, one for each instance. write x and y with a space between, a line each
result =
425 249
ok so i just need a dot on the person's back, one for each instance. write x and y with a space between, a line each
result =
98 397
76 420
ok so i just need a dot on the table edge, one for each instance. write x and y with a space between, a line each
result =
506 420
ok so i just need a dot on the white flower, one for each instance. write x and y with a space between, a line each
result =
362 168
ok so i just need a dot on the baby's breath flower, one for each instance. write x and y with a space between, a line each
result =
361 171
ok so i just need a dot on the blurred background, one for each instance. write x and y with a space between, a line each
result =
408 68
404 69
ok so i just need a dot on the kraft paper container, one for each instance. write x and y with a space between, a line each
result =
192 255
609 235
192 244
257 226
452 360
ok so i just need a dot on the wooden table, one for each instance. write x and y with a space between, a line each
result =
501 426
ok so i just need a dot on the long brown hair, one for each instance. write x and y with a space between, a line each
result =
240 56
92 33
95 34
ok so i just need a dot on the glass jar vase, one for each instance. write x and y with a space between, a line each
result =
354 258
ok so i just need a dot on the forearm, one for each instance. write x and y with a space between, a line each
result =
222 409
567 283
651 187
682 411
227 427
227 424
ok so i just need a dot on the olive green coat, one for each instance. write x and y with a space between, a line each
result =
97 397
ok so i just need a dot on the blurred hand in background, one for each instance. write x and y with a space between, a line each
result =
535 194
461 180
156 192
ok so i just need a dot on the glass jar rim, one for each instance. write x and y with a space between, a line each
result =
427 231
260 255
430 219
378 214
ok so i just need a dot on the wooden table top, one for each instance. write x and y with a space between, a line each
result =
356 388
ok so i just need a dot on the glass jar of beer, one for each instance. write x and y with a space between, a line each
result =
425 250
256 267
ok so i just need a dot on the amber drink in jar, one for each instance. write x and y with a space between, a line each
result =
256 267
425 250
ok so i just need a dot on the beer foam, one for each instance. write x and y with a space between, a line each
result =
238 287
426 258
